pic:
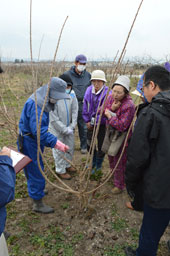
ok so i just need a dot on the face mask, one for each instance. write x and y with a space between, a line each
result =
81 68
68 91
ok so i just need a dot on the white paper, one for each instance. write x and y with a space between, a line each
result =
16 157
112 113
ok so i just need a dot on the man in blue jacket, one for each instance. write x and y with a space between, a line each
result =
148 161
7 191
28 138
81 80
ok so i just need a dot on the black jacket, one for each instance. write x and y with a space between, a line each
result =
148 159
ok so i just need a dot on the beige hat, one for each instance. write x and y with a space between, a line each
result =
124 81
137 93
98 75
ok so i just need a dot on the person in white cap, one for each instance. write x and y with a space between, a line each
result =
63 121
123 107
95 95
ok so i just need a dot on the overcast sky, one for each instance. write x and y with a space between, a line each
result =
95 28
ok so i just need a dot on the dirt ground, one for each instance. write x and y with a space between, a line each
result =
104 228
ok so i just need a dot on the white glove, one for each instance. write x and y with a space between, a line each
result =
69 131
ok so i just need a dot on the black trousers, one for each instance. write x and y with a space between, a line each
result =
82 129
154 223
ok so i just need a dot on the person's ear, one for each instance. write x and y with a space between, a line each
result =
152 85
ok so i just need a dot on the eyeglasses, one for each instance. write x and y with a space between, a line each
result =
144 85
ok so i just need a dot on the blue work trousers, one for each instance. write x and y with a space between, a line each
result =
35 180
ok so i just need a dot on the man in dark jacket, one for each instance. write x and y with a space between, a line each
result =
148 160
81 80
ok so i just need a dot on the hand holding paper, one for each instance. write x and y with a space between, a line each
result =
61 146
107 113
5 152
19 160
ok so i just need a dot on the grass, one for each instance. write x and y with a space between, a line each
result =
119 224
134 234
51 242
21 184
97 175
116 250
4 137
77 237
65 206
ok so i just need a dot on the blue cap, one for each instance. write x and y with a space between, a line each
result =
167 66
81 58
58 89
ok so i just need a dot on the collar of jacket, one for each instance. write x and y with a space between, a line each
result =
161 102
98 92
142 106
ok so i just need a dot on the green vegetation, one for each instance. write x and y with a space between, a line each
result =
77 237
52 241
97 175
65 206
135 234
119 224
116 250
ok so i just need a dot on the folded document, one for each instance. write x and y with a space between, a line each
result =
19 160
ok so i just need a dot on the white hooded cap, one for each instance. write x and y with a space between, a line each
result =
124 81
98 75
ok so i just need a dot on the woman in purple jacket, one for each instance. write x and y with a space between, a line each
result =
95 95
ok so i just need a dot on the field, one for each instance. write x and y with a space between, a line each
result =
105 227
